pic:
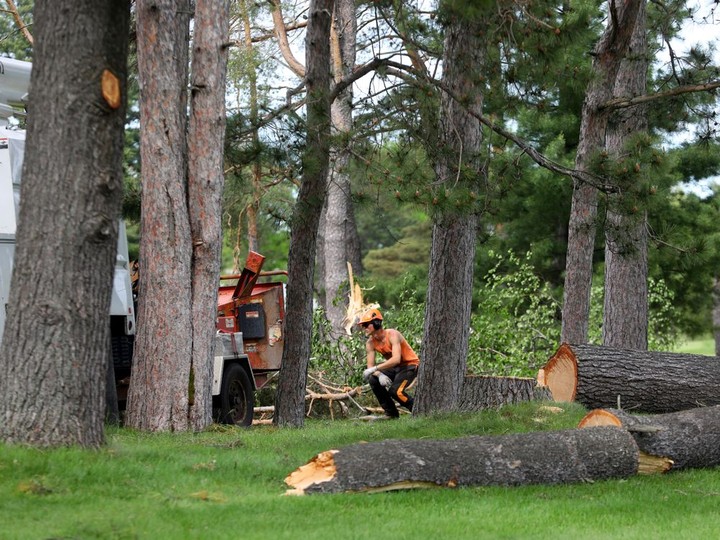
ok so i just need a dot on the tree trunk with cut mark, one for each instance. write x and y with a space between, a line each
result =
553 457
638 381
690 439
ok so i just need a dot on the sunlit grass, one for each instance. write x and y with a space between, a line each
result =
703 345
229 483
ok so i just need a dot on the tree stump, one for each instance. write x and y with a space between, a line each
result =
686 439
553 457
481 392
640 381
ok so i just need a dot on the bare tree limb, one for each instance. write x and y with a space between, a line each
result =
622 103
13 10
297 67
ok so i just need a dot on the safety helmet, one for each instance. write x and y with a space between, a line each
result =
370 315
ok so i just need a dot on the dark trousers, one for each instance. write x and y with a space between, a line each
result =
402 377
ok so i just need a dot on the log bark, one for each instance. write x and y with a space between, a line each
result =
687 439
481 392
554 457
639 381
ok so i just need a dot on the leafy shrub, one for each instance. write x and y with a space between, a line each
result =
516 326
336 358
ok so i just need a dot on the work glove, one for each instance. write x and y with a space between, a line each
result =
385 381
368 372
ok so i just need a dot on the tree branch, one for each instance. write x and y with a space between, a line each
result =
12 9
622 103
277 16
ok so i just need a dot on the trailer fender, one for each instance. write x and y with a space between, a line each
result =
219 365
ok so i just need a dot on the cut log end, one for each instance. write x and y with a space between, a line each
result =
560 374
319 469
599 417
647 463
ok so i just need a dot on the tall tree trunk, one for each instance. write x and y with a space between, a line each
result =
452 255
56 341
159 386
290 398
625 314
252 208
716 314
205 189
340 243
608 54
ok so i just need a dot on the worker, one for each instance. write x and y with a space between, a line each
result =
390 378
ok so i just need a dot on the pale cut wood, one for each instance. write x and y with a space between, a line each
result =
553 457
686 439
638 381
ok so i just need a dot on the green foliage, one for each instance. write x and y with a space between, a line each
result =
515 328
663 329
340 359
411 250
12 41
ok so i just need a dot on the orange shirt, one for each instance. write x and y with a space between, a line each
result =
407 354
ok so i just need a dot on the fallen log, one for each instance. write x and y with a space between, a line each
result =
484 392
686 439
641 381
551 457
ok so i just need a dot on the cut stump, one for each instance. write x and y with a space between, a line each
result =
553 457
483 392
640 381
686 439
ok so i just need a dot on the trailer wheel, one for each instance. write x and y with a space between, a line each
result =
236 397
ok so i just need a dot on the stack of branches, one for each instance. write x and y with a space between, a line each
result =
324 398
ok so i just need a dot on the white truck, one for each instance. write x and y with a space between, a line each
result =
250 324
14 83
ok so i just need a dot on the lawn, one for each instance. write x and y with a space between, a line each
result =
229 483
702 345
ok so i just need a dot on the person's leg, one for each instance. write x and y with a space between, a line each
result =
401 382
383 397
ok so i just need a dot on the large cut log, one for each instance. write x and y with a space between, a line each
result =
552 457
484 392
687 439
638 381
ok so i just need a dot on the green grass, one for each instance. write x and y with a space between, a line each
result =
229 483
703 345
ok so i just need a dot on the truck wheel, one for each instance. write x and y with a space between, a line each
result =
236 397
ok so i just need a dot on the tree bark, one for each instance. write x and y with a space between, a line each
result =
339 239
290 397
205 190
688 439
639 381
158 397
568 456
608 54
458 163
252 208
56 341
479 393
716 314
625 313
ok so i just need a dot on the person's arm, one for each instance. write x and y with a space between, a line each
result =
395 341
370 350
371 368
